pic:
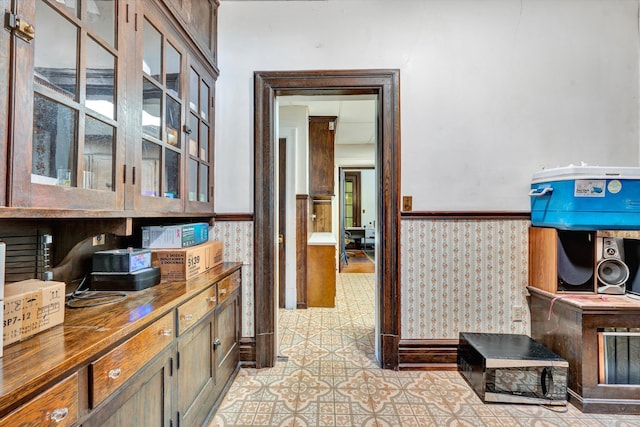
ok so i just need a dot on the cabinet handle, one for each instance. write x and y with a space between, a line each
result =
114 373
58 415
167 332
188 317
216 343
212 300
223 291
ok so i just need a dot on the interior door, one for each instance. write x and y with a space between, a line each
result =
282 221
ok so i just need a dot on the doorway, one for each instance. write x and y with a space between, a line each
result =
358 200
268 85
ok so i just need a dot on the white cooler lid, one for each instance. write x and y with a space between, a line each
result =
585 172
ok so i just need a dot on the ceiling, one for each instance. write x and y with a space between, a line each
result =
356 114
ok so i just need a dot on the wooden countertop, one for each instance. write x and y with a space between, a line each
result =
35 363
590 302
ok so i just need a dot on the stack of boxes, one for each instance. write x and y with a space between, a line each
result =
181 251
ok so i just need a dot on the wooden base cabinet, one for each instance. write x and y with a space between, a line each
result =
321 276
183 384
572 326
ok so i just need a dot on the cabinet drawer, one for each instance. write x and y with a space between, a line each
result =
195 309
57 406
116 367
227 285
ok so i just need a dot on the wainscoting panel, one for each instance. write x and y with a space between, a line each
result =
237 238
463 275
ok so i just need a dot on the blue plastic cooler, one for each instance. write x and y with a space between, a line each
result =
586 198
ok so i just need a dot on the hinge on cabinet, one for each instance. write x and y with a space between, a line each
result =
21 27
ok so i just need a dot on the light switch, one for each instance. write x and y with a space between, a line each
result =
407 203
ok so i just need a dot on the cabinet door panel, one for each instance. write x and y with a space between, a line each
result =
226 338
321 155
143 402
196 381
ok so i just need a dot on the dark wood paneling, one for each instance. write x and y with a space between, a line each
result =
302 221
248 352
428 354
386 85
234 217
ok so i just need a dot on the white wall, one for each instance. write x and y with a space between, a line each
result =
491 91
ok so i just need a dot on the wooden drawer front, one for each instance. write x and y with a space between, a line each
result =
116 367
227 285
196 308
57 406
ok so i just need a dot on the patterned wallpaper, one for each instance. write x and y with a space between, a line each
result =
237 238
456 275
463 275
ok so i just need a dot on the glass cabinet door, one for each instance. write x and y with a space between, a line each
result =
162 117
199 136
67 106
76 124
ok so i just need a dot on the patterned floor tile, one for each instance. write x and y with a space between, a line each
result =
331 378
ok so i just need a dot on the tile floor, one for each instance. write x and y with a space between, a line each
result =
331 379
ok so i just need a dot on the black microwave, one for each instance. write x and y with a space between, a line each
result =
512 368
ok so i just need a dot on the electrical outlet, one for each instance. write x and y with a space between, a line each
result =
99 240
516 313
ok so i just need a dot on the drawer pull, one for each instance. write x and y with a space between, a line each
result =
216 343
114 373
168 332
188 317
211 300
58 415
223 291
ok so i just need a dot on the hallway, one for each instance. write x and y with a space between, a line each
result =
331 379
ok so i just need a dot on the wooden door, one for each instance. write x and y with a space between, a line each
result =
282 222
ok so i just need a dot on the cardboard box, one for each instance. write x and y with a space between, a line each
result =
175 236
31 306
183 264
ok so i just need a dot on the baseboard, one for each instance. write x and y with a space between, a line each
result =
248 352
428 354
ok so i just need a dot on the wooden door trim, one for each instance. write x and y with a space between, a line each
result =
386 85
357 209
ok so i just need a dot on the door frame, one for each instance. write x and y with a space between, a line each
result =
267 86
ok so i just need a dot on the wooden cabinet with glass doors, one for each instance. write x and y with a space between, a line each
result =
112 109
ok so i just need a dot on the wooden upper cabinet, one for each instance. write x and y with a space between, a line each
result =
321 155
102 111
200 19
